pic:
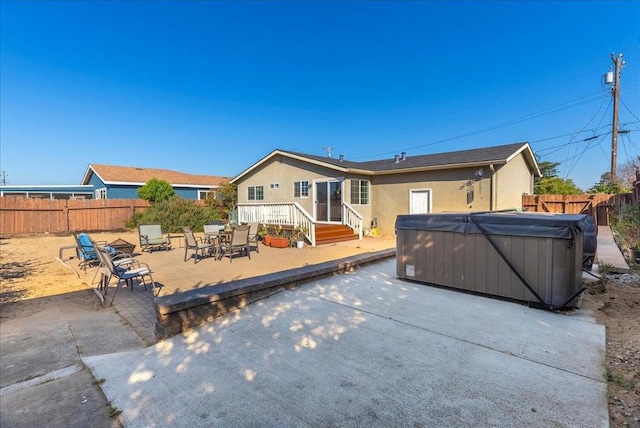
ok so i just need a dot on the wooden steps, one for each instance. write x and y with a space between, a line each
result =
330 233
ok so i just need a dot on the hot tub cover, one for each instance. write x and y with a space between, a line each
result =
560 226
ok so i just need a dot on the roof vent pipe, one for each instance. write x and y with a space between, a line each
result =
397 160
403 156
341 158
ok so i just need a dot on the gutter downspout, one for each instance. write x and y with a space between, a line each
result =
492 188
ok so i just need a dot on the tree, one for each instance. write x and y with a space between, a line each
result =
627 172
551 184
557 186
223 199
548 169
607 185
156 190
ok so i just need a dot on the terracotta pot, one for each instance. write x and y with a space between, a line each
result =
279 242
267 240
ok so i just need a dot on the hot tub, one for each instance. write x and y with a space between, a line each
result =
528 257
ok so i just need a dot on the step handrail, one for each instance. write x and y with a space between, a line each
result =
352 218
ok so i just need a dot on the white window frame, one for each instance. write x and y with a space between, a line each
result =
301 194
255 198
201 192
359 180
101 193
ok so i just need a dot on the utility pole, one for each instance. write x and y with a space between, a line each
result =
618 63
4 178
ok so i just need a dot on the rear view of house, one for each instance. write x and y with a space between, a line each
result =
290 188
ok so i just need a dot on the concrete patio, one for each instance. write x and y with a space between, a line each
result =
366 349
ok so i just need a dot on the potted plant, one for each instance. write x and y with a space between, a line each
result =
633 242
298 235
277 239
263 234
626 224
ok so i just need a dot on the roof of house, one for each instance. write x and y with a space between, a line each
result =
459 159
112 174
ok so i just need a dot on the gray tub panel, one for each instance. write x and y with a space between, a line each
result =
462 258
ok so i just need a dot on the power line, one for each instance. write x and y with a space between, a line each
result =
629 110
560 107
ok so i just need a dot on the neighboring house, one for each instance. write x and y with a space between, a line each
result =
64 191
122 182
119 182
291 188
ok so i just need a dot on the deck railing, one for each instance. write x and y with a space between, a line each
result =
352 218
289 214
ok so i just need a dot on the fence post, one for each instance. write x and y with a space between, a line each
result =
65 213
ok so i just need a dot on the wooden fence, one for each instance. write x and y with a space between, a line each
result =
598 205
33 215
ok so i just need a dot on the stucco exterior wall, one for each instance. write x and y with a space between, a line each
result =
512 180
283 172
449 191
462 189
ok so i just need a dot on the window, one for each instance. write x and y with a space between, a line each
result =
101 193
359 192
300 189
274 186
202 194
255 193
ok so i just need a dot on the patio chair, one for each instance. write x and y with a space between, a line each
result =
87 253
127 274
120 258
254 238
211 233
239 243
219 223
196 245
151 238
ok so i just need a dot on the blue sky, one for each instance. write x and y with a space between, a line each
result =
211 87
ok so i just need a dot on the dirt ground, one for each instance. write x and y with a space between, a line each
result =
31 277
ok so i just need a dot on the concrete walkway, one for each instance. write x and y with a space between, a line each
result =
608 251
366 349
44 383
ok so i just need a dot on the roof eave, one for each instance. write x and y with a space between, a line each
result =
440 167
133 183
289 155
529 156
87 174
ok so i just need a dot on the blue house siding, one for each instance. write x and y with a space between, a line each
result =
123 191
187 193
118 191
96 183
94 187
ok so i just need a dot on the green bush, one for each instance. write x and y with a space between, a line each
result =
626 223
174 213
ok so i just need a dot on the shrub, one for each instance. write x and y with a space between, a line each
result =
626 223
156 190
174 213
